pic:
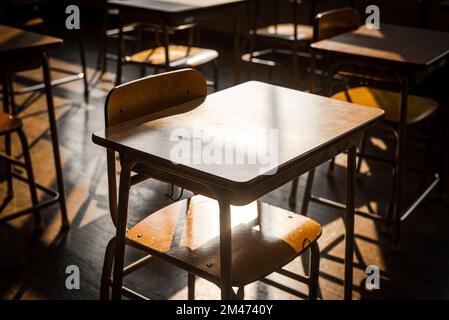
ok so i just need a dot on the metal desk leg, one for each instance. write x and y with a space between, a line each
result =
444 172
166 45
120 44
106 273
191 286
445 137
237 46
54 140
350 207
400 161
295 62
83 66
307 192
101 59
122 220
225 249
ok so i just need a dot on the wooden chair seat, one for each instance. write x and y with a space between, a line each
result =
259 246
9 123
179 56
285 31
419 108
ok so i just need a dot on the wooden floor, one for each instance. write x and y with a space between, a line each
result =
32 266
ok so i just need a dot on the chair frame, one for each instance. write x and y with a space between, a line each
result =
134 27
27 165
159 26
255 56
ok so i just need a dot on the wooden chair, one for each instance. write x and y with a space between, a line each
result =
419 109
133 32
288 38
186 233
334 22
326 25
106 33
168 56
8 125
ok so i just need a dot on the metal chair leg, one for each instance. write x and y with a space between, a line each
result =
83 66
120 48
107 270
249 65
307 192
252 20
55 141
391 204
295 67
6 107
139 47
31 181
398 208
124 186
10 185
13 104
427 151
191 286
293 191
331 168
101 59
314 271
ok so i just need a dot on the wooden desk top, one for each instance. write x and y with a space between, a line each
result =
16 41
173 6
392 43
305 124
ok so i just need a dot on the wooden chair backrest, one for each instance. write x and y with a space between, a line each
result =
151 94
331 23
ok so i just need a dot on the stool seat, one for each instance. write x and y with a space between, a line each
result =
9 123
418 108
260 246
285 31
179 56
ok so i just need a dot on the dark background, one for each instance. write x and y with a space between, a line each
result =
405 12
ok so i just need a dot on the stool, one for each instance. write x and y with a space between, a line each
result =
8 125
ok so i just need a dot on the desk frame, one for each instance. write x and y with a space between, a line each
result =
407 76
40 59
173 19
226 197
